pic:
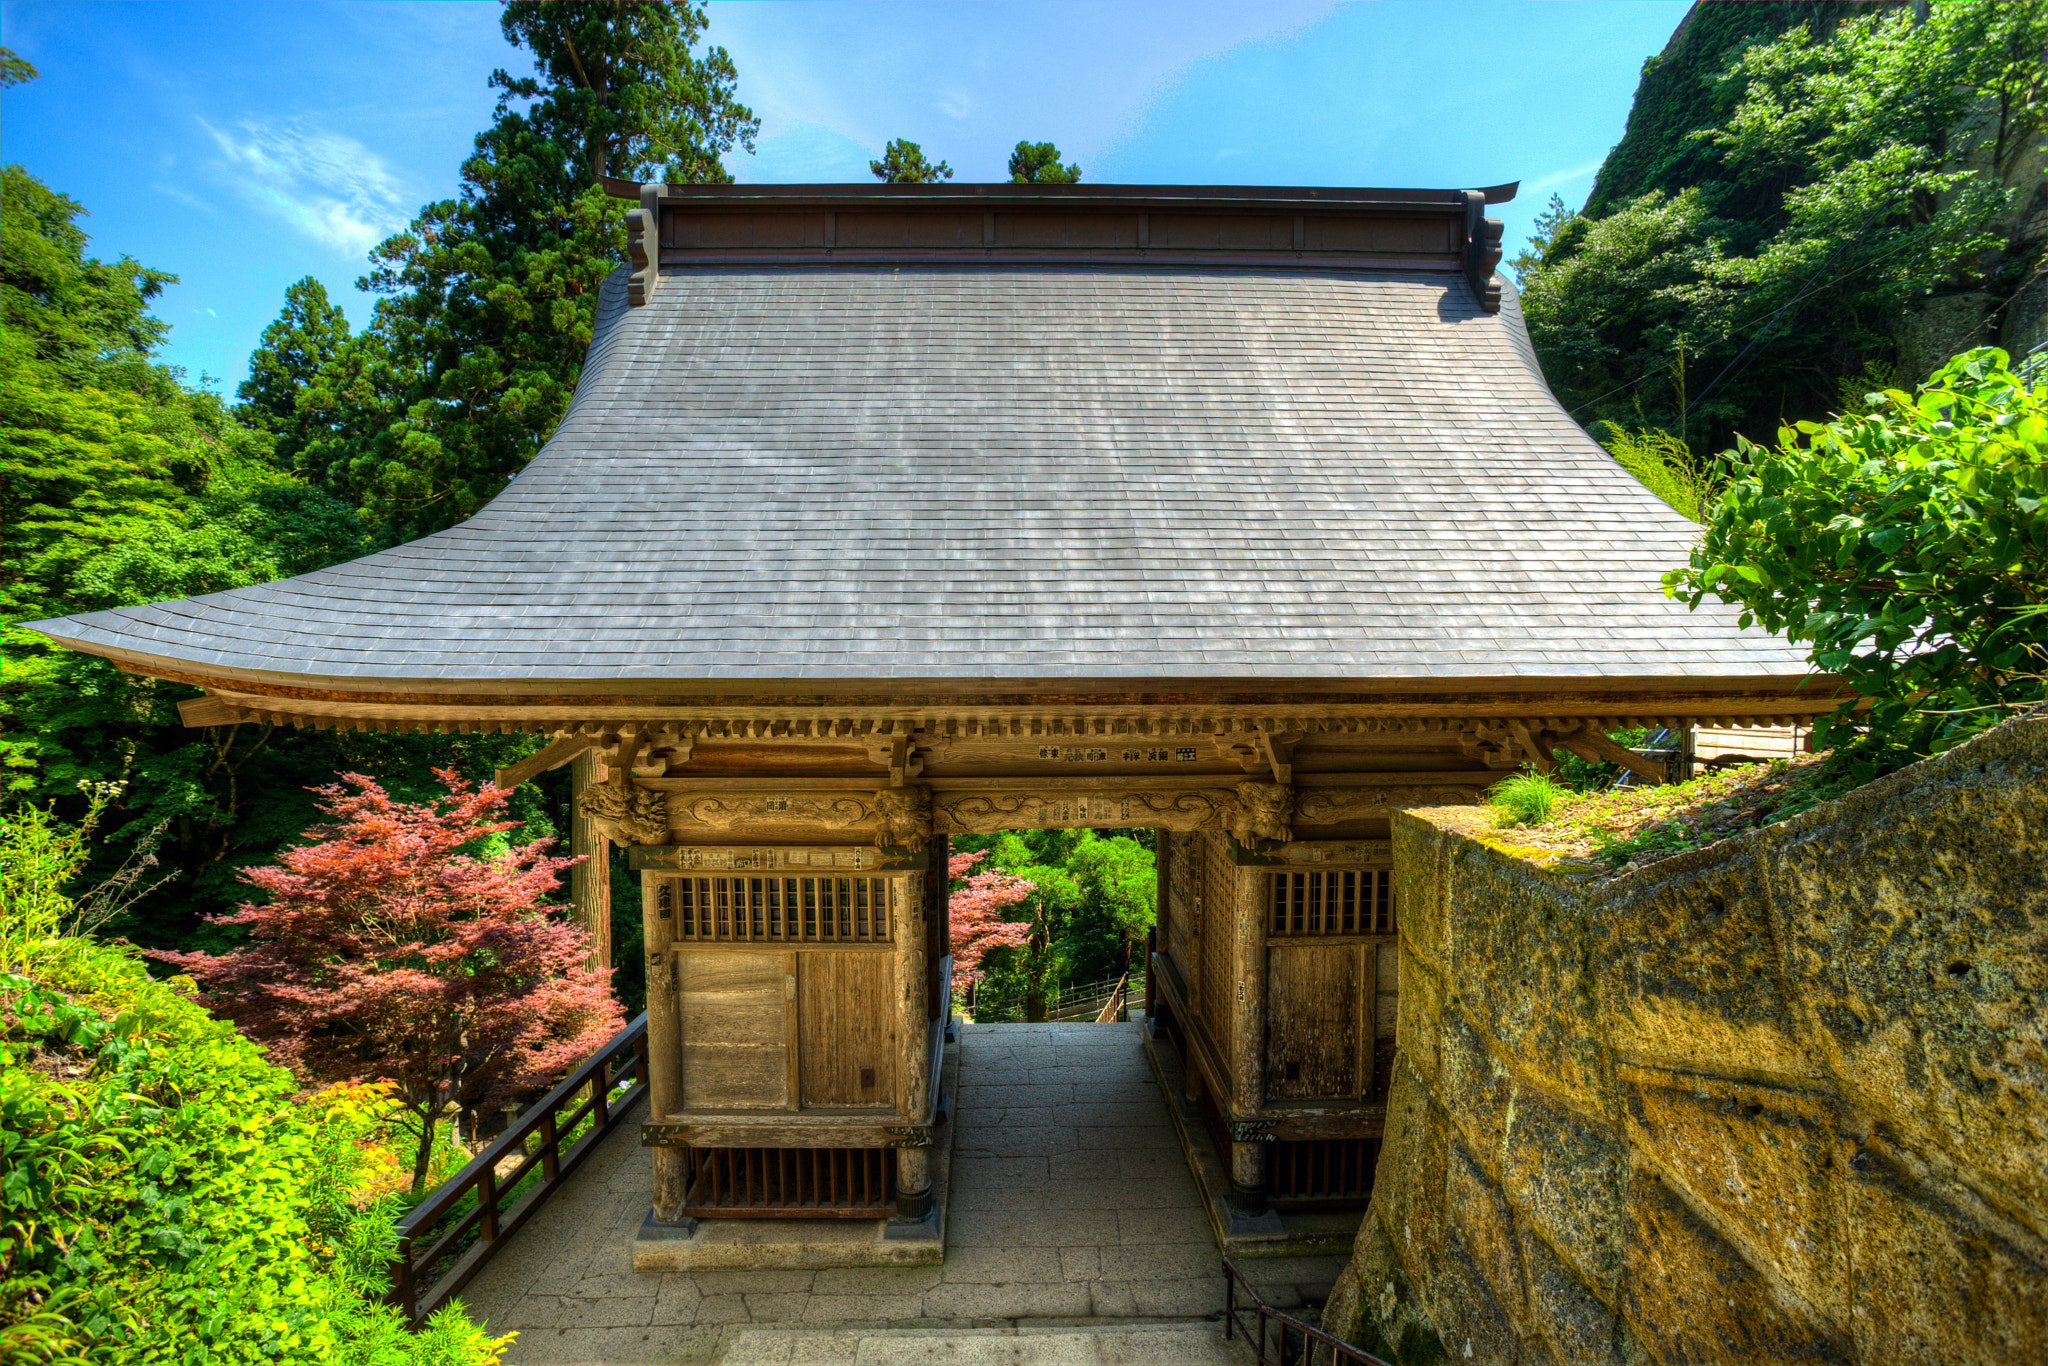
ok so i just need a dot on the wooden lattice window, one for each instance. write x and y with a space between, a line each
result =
1324 903
1323 1171
778 910
791 1183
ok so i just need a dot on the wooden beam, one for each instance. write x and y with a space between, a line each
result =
1279 753
1591 744
552 757
209 711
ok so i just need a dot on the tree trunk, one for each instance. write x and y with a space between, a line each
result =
423 1158
590 882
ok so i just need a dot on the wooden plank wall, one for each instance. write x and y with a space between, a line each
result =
846 1034
734 1009
1315 1019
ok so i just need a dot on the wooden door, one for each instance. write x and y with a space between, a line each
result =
1314 1018
846 1029
736 1011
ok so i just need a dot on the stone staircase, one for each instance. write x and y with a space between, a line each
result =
1088 1342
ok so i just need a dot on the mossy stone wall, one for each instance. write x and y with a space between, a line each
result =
1781 1099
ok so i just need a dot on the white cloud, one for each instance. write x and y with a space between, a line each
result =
172 190
327 185
805 154
1557 178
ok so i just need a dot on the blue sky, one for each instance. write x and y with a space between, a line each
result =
243 145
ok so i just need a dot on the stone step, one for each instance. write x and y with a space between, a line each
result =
1103 1342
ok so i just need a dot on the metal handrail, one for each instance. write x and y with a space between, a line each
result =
1336 1352
492 1224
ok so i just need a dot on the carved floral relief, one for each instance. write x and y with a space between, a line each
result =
831 812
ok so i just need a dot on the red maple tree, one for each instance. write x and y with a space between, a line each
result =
384 950
975 914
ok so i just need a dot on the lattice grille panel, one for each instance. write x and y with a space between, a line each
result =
792 1183
1323 1171
778 910
1321 903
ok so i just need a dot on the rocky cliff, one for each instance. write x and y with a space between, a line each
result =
1783 1098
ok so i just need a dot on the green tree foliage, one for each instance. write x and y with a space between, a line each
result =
167 1197
490 298
1554 219
903 163
1094 897
304 340
1778 201
14 68
1909 547
117 482
616 82
1038 163
1685 88
120 484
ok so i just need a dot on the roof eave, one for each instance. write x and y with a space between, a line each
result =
1135 197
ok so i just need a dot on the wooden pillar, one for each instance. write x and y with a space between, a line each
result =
938 927
913 1021
1162 915
664 1041
1246 925
590 882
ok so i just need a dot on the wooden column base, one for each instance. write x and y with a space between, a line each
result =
1248 1178
671 1183
913 1183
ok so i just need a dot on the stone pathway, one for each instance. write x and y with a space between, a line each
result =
1075 1236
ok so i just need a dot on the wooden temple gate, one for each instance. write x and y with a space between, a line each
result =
793 895
886 513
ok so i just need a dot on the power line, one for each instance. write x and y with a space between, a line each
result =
1805 289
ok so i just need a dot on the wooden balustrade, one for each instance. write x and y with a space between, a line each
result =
444 1242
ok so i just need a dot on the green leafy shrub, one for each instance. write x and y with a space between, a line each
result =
164 1195
1909 546
1526 798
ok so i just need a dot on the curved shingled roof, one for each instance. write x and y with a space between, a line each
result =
1017 471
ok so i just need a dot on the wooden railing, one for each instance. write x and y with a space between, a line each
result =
1289 1341
442 1243
1119 1001
1083 1002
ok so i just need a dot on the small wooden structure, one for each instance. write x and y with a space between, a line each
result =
885 513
